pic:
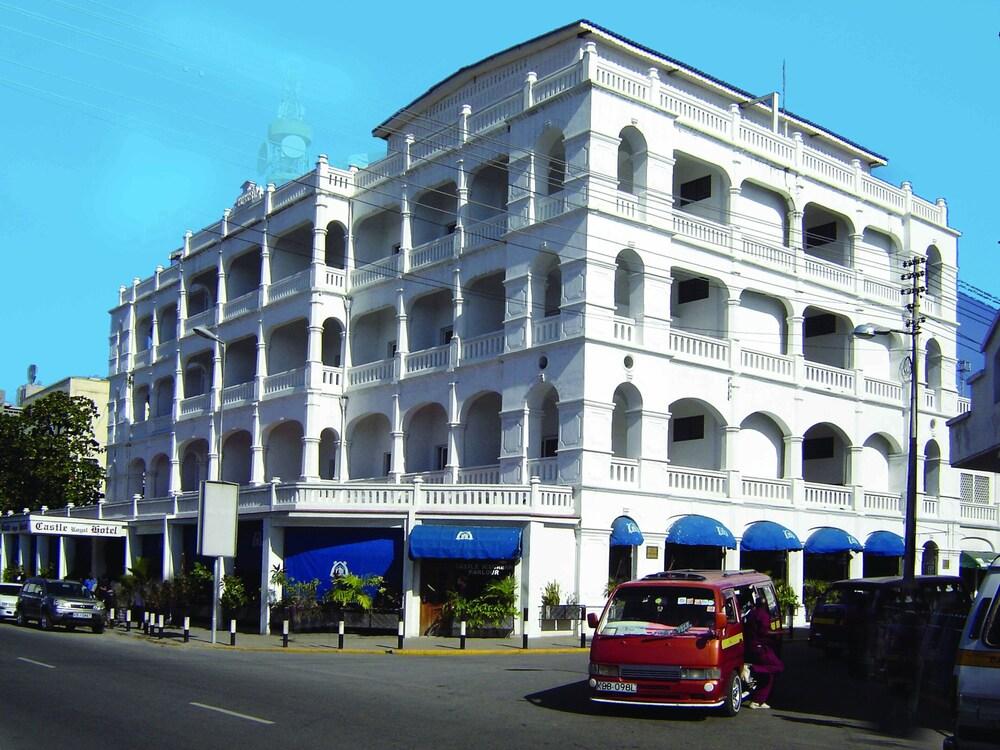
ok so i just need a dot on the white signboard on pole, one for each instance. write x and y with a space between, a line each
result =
218 505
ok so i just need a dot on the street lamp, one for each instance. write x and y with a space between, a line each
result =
207 334
870 331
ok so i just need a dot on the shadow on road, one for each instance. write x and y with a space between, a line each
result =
574 698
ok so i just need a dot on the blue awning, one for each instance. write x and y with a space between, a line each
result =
884 544
465 543
697 530
828 539
768 536
625 533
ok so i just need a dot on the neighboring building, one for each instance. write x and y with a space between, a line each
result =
975 316
592 316
96 389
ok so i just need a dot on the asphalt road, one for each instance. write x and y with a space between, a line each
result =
80 690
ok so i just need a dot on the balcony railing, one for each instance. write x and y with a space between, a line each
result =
486 346
828 495
829 378
624 471
704 348
384 268
884 502
479 474
978 513
242 305
697 481
238 394
372 373
964 404
433 251
883 390
547 329
289 286
205 318
546 469
427 359
284 381
485 232
771 365
767 490
624 329
195 406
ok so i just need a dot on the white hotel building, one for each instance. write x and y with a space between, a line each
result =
587 285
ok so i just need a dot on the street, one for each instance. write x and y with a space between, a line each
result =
98 691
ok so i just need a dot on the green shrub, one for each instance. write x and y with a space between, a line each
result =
551 594
497 604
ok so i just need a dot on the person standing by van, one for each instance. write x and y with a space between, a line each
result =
760 653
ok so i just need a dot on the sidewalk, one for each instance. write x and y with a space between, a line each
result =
327 643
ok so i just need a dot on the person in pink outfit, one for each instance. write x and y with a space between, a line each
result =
760 653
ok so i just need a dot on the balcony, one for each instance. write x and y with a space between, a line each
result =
281 382
767 490
372 373
485 232
829 378
697 348
205 318
289 286
482 348
547 330
697 482
977 513
242 305
384 268
426 360
195 406
829 496
624 471
433 251
546 469
240 393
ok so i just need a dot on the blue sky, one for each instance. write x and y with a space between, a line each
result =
125 124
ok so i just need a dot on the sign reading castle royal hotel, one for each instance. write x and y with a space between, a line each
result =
63 527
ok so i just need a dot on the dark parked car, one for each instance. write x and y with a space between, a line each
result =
53 602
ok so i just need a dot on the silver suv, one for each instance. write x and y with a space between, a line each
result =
53 602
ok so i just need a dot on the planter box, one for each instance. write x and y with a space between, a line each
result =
489 630
561 611
323 619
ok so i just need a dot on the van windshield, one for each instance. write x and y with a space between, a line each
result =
658 611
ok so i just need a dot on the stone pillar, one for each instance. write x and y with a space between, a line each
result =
398 462
61 561
405 225
272 556
796 579
343 473
257 468
454 431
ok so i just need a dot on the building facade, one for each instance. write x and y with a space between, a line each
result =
592 296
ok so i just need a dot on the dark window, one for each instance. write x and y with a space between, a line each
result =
447 334
689 428
820 325
386 463
390 350
440 457
691 290
450 228
992 636
696 190
814 448
396 248
549 446
822 234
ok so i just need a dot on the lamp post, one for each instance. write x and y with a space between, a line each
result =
207 334
870 331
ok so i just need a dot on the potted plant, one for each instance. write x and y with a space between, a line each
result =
788 600
491 614
352 596
234 596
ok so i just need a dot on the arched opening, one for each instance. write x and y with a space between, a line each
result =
481 439
552 163
695 435
427 440
243 276
335 250
287 347
880 356
241 361
236 458
932 468
932 364
434 213
626 422
761 448
202 292
370 447
876 465
929 559
198 374
333 342
137 478
764 214
328 442
373 336
283 452
144 334
826 235
166 325
628 285
164 397
543 422
880 255
700 188
933 268
431 320
826 338
377 236
159 476
631 161
488 191
697 304
194 465
292 252
484 305
546 285
824 455
140 403
761 323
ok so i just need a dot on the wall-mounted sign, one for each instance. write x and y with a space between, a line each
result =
64 526
652 552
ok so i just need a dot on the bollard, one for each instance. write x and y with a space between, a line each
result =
583 627
340 635
128 620
284 634
145 622
187 629
524 629
111 617
159 624
461 635
399 634
232 632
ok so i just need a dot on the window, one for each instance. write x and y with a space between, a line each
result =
396 248
446 334
691 290
816 448
696 190
689 428
822 234
549 446
819 325
386 463
730 607
390 350
992 635
975 489
450 228
440 457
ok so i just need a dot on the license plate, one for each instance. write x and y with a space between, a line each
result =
82 615
617 687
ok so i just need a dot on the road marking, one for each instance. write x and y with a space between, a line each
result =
36 663
231 713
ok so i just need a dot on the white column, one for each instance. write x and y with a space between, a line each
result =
272 555
62 567
796 579
398 464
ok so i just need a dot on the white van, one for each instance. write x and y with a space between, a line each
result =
977 669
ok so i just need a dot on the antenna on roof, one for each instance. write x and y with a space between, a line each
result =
784 95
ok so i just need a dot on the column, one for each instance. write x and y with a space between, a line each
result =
342 443
793 468
405 224
533 571
402 338
398 464
734 477
214 459
61 562
220 273
272 557
24 559
256 448
796 579
454 431
166 558
457 318
462 205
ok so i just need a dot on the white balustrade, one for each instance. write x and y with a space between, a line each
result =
828 495
550 206
624 329
930 398
624 471
140 358
284 381
831 273
702 230
555 84
979 513
333 279
235 394
205 318
886 502
690 345
546 469
773 365
479 474
485 232
289 286
628 206
767 490
629 85
697 481
384 268
883 390
194 406
332 376
242 305
930 507
433 251
768 255
964 405
547 329
830 378
484 347
372 373
427 359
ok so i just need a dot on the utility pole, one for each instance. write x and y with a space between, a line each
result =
914 274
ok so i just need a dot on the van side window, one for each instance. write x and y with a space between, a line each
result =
730 606
976 624
772 600
992 636
744 598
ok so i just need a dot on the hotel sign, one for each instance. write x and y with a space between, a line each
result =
63 526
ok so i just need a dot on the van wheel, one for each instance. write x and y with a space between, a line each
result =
44 622
733 699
